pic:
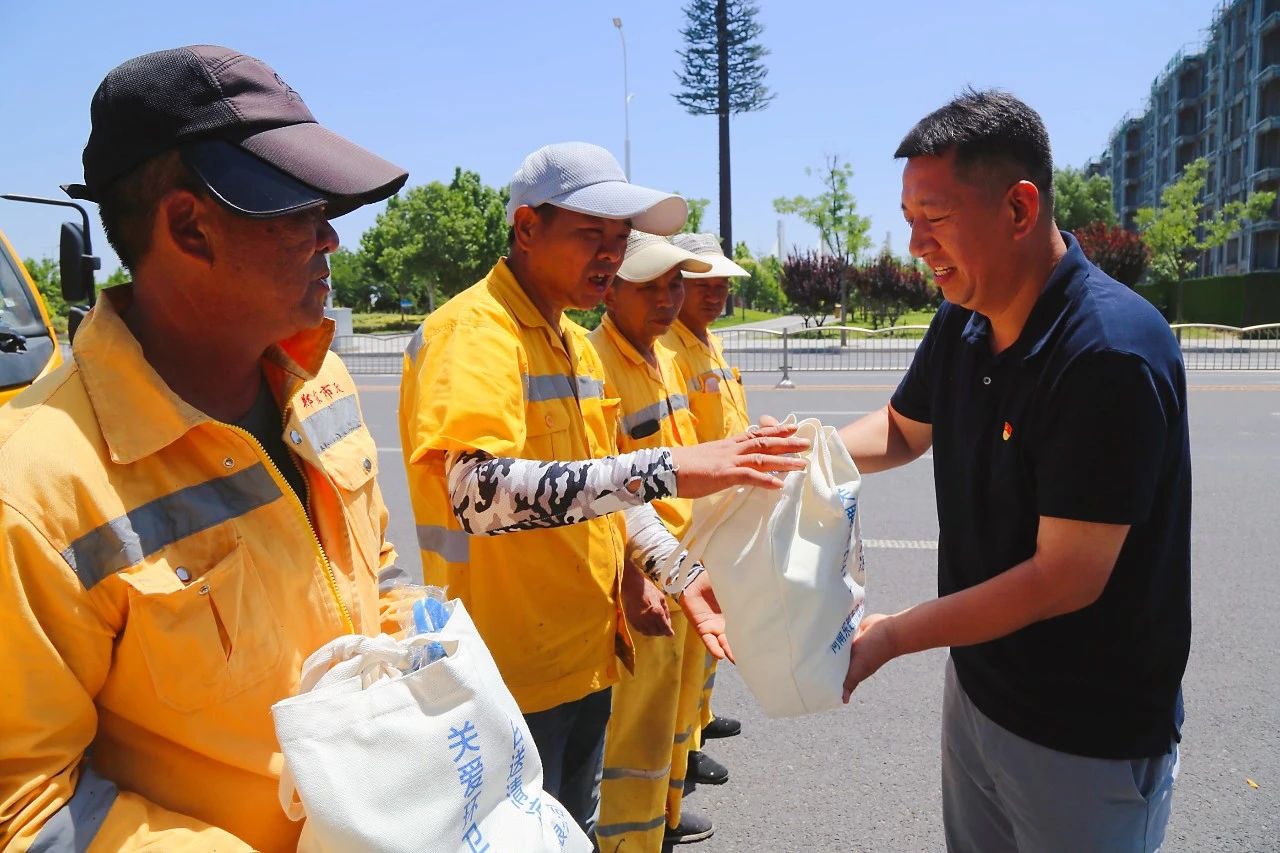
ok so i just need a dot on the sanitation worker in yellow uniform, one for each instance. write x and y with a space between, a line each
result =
517 485
189 506
719 406
655 710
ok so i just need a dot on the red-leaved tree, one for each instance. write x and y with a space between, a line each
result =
812 285
887 288
1119 253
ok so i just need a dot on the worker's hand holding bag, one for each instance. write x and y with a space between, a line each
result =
788 572
414 745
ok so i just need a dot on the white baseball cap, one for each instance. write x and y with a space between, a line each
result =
649 256
707 247
586 178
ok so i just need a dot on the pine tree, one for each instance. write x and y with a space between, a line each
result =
723 74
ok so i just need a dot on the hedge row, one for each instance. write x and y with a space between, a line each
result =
1249 299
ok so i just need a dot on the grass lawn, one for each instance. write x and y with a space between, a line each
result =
752 316
384 322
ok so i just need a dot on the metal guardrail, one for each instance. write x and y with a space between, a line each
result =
369 354
1206 346
821 348
834 348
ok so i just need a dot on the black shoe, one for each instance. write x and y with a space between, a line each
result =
721 727
693 827
705 770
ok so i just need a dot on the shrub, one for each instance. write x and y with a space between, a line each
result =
1119 253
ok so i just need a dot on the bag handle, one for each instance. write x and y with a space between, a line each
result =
287 791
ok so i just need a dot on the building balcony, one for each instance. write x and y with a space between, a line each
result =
1269 23
1264 225
1267 125
1267 74
1265 174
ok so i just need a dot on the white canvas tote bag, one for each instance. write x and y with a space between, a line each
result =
788 571
380 756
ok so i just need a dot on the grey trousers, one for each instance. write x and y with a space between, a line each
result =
1001 792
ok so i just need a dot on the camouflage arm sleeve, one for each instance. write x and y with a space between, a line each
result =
493 495
650 544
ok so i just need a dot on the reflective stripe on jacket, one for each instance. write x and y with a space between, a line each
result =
162 586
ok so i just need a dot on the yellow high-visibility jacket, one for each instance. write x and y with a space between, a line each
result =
161 585
716 395
487 372
653 410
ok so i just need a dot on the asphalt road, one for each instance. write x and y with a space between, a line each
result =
866 777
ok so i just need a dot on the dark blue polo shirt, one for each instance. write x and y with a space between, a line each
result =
1083 417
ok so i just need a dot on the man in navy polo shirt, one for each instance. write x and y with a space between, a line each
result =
1054 399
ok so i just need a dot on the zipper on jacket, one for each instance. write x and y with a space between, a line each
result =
284 487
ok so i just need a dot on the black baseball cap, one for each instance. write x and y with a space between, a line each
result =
243 131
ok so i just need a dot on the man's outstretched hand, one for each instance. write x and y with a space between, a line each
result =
873 646
749 459
700 606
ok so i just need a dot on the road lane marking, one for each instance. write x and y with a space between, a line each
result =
903 544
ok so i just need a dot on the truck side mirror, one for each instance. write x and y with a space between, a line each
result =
76 264
76 261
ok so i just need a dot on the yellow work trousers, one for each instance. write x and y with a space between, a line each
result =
646 751
705 714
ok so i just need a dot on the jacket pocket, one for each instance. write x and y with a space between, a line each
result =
547 433
204 626
707 408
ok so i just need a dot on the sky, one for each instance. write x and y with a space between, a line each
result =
433 85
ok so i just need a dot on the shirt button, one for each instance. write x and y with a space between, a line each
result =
182 573
295 437
986 380
368 465
550 420
204 590
228 462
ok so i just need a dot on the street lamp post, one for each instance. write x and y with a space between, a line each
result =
626 101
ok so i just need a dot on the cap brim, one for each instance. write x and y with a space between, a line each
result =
658 258
649 210
290 169
320 158
721 267
245 184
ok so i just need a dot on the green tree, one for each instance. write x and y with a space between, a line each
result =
45 273
761 290
1181 228
697 209
437 239
834 212
358 283
722 74
1079 200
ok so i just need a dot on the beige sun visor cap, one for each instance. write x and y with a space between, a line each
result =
707 247
650 256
